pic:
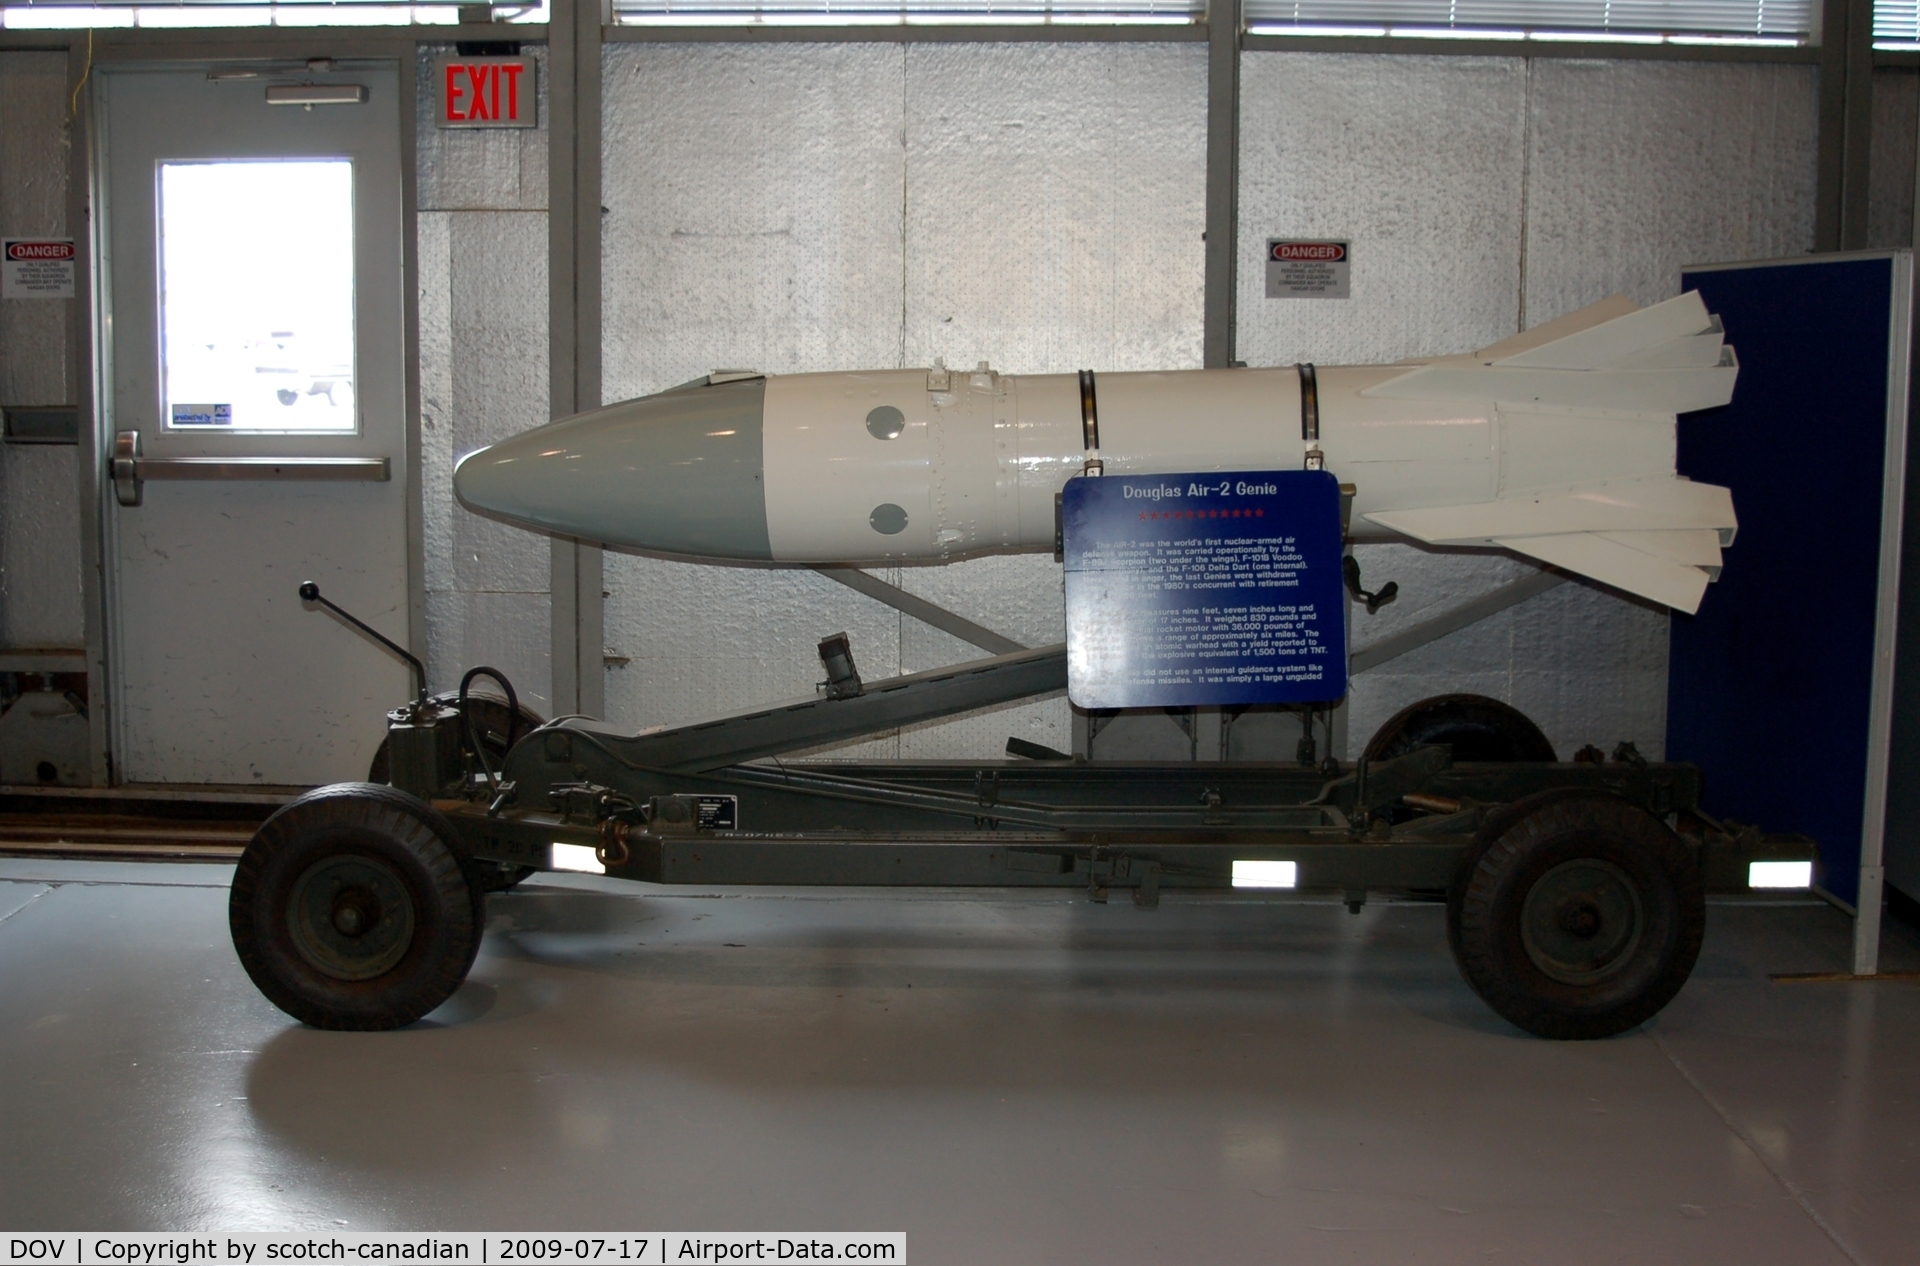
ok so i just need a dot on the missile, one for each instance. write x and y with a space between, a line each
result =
1557 444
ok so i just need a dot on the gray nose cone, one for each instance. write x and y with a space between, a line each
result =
679 473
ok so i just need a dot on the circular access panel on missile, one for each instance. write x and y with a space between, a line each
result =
888 519
886 423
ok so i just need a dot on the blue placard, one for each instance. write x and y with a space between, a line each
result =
1204 589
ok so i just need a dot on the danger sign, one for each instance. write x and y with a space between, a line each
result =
486 92
1307 269
36 268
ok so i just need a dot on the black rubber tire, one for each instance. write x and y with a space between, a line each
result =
489 716
1478 728
1599 848
432 920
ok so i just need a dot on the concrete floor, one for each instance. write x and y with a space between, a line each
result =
1006 1077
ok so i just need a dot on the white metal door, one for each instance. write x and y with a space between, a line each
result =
252 285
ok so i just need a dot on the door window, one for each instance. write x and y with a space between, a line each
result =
256 296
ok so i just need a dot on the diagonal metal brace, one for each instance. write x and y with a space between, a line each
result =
813 722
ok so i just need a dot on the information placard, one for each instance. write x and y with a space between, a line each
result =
1308 269
1204 589
36 268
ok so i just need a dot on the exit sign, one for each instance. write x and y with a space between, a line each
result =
485 91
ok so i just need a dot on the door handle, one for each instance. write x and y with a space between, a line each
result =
129 470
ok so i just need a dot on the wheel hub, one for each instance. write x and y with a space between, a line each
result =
355 910
1582 921
350 917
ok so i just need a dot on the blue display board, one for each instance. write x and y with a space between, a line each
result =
1204 589
1770 685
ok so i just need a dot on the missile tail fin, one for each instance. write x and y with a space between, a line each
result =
1625 338
1658 538
1668 359
1603 558
1609 308
1690 547
1628 505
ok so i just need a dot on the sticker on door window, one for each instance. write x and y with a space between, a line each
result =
202 415
256 295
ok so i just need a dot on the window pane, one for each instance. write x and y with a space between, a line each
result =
256 295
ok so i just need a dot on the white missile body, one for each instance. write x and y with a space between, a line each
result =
1557 444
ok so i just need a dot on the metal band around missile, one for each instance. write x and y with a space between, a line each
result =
1089 412
1309 403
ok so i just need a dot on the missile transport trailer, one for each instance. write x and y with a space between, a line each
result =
1575 891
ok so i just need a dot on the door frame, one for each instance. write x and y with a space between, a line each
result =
86 194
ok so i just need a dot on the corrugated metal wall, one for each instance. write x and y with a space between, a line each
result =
483 376
809 207
802 207
793 207
40 594
1896 102
1483 195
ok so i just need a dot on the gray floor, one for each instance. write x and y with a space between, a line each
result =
1015 1078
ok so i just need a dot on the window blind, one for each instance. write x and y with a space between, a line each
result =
863 12
76 14
1896 23
1786 19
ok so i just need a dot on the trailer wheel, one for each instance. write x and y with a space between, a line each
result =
352 909
1479 728
1576 914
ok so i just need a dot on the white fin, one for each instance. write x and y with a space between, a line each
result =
1605 345
1628 505
1667 359
1639 391
1693 547
1595 556
1608 309
1696 351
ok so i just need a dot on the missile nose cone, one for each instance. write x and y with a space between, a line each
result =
680 473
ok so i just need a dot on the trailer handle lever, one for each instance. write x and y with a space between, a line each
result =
310 592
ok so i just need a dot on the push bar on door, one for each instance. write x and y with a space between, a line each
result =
130 470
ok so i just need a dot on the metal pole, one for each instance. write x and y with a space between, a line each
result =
573 236
1859 133
1881 721
407 76
86 391
1223 178
919 608
1846 125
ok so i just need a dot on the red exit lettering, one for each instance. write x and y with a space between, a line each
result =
486 93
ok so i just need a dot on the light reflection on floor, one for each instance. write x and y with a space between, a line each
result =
1017 1077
